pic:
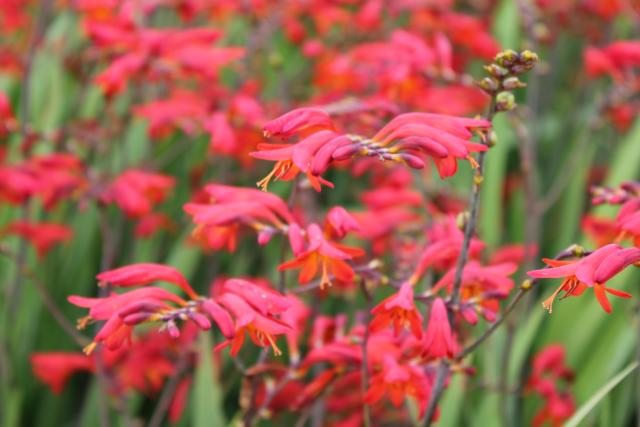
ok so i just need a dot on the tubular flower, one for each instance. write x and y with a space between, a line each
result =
137 192
321 254
438 339
399 381
481 286
399 310
404 139
42 235
300 120
52 178
628 221
291 159
262 328
149 304
219 221
592 271
55 369
445 240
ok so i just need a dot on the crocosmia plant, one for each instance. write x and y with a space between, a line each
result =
323 213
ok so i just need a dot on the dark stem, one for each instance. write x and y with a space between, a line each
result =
474 203
48 300
364 368
169 390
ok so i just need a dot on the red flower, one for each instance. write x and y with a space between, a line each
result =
548 369
399 310
54 369
481 285
592 271
339 222
261 328
41 235
438 339
150 304
291 159
143 274
325 256
136 192
399 381
296 121
445 240
218 222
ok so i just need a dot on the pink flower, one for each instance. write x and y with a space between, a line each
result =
41 235
143 274
399 310
136 192
325 256
296 121
592 271
55 369
438 339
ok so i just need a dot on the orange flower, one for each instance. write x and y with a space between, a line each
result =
324 256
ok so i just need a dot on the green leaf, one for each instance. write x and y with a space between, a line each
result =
207 396
586 408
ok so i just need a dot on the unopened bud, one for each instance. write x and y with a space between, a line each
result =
505 101
526 285
529 58
346 152
506 58
489 84
491 139
511 83
496 70
412 161
462 219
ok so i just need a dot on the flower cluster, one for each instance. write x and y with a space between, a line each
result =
358 305
550 378
254 308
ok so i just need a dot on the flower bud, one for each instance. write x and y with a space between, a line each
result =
496 70
511 83
528 58
462 219
173 330
506 58
346 152
136 318
200 320
505 101
411 160
491 139
489 84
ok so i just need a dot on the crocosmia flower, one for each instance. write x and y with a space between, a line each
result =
592 271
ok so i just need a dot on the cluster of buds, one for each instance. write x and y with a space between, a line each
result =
615 196
504 75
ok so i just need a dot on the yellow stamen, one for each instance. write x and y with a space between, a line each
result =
548 303
89 349
83 322
474 163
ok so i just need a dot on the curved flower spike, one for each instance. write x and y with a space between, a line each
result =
298 120
143 274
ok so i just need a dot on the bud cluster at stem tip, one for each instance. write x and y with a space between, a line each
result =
504 75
